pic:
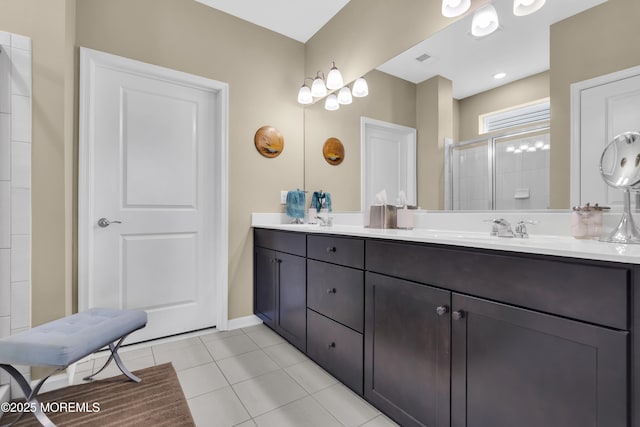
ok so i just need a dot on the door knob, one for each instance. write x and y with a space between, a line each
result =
104 222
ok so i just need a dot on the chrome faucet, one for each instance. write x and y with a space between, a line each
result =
500 227
325 221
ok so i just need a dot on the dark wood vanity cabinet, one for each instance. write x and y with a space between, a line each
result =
335 301
444 336
280 284
516 367
407 350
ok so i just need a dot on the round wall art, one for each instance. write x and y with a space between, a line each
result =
333 151
269 141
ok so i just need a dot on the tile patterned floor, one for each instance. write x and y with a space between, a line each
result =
250 378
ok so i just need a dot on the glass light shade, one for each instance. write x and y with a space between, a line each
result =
318 89
360 88
344 96
334 78
304 95
526 7
331 103
485 21
453 8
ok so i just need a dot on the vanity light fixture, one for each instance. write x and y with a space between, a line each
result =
511 149
318 88
334 82
344 96
531 149
526 7
453 8
524 147
517 151
304 94
331 103
334 78
546 146
360 88
485 21
539 144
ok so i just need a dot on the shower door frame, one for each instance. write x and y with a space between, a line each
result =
491 160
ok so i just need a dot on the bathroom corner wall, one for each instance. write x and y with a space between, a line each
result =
15 187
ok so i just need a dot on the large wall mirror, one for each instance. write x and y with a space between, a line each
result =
442 87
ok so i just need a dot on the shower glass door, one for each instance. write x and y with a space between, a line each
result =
509 171
470 175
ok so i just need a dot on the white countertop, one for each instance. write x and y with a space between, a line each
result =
557 245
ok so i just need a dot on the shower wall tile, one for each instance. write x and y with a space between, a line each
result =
20 253
20 165
20 118
5 326
5 79
20 211
21 72
5 214
20 42
5 147
20 313
5 282
5 38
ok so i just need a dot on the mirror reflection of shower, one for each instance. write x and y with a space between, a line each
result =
509 171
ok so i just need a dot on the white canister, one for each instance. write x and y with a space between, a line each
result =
404 219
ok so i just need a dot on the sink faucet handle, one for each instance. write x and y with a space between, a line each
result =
501 227
521 228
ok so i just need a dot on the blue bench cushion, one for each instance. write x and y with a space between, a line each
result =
67 340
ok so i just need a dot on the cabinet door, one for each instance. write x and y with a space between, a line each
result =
265 285
515 367
407 359
292 299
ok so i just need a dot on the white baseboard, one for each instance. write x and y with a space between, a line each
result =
243 322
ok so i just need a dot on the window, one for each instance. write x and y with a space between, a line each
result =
528 114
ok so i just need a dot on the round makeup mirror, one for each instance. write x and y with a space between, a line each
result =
620 169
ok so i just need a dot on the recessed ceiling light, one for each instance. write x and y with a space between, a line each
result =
499 76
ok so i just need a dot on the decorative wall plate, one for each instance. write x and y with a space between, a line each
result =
333 151
269 141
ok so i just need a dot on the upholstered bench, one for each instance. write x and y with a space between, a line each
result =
63 342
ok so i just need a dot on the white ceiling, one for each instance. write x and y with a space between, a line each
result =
519 48
297 19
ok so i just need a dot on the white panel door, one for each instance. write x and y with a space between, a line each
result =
606 110
388 161
152 169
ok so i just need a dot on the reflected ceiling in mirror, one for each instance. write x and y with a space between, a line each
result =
519 48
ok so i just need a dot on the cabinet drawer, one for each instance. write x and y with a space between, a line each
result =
337 292
338 250
336 348
596 293
289 242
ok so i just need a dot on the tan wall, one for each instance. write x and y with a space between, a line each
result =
599 41
510 95
48 24
435 121
390 99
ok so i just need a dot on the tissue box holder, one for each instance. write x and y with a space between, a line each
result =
382 216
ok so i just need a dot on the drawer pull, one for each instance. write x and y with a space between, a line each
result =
331 291
332 345
442 310
331 249
458 314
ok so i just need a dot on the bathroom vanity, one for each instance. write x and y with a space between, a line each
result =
435 333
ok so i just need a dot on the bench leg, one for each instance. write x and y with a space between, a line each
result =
115 356
30 395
